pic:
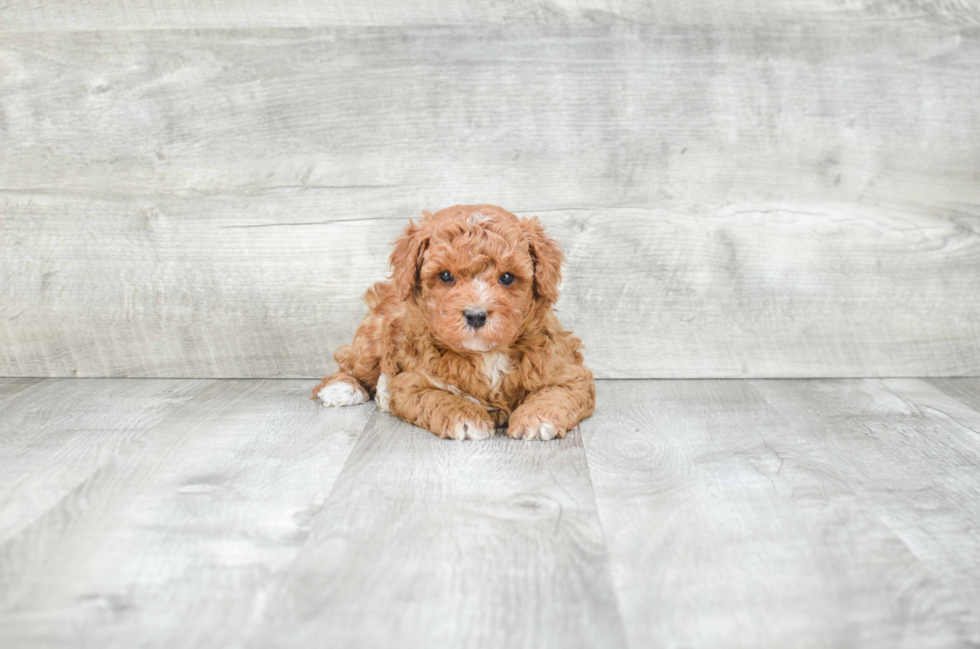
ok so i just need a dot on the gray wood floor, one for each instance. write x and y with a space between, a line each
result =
237 513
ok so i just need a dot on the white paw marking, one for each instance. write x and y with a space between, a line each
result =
471 430
381 393
341 394
540 430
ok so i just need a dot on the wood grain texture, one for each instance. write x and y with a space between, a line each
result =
76 15
966 390
226 288
957 400
12 388
915 468
176 542
804 513
597 117
785 513
425 543
735 201
54 434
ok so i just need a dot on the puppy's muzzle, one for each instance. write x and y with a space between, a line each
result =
475 318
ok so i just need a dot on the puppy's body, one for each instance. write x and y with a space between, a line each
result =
463 338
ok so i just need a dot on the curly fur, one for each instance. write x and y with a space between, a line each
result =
521 368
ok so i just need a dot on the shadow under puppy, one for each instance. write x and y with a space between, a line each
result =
463 338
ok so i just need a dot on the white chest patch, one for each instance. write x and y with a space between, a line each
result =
496 365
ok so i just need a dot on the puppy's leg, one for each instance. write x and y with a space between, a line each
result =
551 411
340 389
360 367
447 415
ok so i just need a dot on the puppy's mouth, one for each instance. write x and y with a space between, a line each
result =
475 338
474 343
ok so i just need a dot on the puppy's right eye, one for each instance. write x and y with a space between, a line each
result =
446 277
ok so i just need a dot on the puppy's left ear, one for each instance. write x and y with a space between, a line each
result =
547 257
406 258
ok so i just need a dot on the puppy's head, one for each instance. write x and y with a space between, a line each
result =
477 273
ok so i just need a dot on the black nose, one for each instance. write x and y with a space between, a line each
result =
475 318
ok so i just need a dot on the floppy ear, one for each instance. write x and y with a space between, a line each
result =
406 258
547 257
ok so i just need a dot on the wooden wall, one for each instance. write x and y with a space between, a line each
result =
744 188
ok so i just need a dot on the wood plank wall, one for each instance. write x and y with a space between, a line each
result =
744 189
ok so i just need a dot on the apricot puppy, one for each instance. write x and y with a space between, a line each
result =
462 338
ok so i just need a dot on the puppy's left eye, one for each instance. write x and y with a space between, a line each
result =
507 279
446 276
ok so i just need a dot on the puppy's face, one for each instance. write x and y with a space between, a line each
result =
476 272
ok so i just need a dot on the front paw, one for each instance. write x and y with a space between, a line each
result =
527 423
464 423
340 393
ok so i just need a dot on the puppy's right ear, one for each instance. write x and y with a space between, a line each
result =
406 258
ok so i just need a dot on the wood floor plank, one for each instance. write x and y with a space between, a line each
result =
58 432
965 390
915 465
960 406
431 543
819 513
175 541
734 520
11 389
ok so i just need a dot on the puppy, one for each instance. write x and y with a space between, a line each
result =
462 338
